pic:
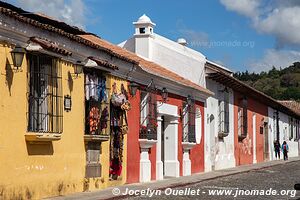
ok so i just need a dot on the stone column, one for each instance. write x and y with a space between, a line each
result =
145 164
187 164
159 163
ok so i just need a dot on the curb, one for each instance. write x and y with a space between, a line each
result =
205 179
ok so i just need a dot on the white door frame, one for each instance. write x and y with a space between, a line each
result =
171 163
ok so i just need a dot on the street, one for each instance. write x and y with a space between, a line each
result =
279 179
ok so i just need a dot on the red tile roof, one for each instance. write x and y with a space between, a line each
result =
104 63
50 45
148 66
78 35
293 105
48 24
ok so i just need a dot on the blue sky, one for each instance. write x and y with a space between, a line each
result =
243 35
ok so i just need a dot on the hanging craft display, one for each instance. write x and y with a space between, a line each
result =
118 107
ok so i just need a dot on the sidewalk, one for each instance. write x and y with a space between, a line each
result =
172 182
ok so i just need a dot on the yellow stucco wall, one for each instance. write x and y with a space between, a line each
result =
37 170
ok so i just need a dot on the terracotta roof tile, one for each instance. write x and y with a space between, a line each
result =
239 86
146 65
74 33
293 105
51 46
57 27
104 63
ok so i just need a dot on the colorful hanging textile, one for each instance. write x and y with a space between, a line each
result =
118 126
96 95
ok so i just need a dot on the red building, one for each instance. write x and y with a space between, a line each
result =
175 145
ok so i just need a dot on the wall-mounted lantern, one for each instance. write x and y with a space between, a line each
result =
244 100
17 55
78 68
164 94
189 100
67 103
133 88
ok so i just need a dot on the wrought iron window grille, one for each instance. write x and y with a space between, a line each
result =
188 122
148 107
45 100
223 112
243 119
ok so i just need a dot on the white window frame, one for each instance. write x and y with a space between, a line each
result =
198 125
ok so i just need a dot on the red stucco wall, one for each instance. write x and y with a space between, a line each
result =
244 150
133 154
133 148
197 153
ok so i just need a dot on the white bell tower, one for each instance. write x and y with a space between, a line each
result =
144 26
144 35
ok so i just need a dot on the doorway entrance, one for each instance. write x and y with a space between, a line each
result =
167 142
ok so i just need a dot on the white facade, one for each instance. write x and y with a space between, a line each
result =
284 134
219 152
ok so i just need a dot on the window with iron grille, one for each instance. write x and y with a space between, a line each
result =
45 98
188 125
148 121
224 112
96 103
243 118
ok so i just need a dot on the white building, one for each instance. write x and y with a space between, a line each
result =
288 131
191 64
219 147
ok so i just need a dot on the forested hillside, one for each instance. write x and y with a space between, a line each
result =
281 84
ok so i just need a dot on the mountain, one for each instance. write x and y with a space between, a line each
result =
281 84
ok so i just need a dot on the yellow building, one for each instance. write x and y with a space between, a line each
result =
46 156
52 142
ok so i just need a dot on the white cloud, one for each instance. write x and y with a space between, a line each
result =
283 23
69 11
276 58
249 8
280 18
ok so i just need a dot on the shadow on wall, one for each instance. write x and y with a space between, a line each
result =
9 75
45 148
